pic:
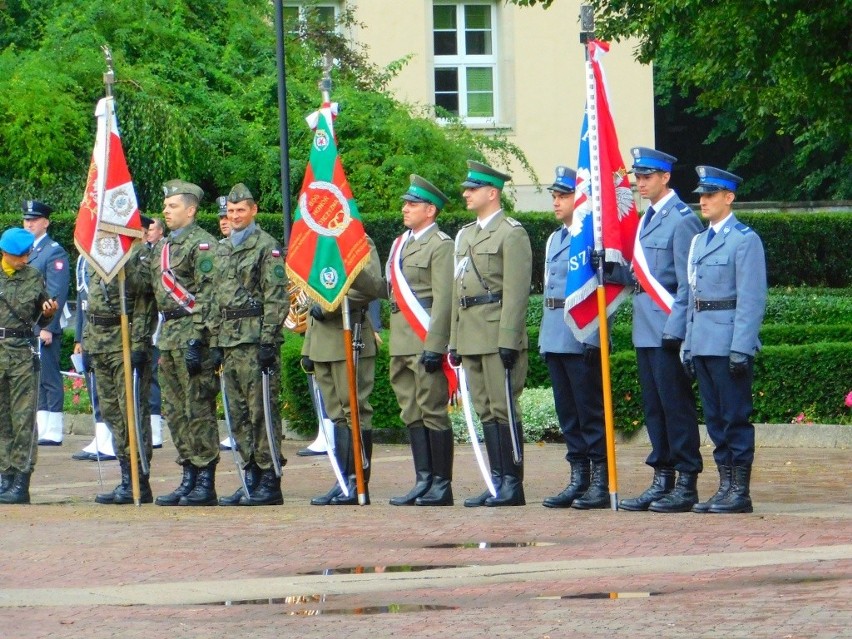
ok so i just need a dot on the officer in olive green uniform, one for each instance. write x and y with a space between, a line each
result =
184 282
419 273
323 354
253 300
23 303
103 340
488 328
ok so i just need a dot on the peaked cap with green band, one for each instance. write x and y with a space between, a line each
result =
239 193
424 191
479 174
179 187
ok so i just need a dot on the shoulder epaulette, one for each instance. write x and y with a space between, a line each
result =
513 221
684 209
468 224
54 243
742 228
444 236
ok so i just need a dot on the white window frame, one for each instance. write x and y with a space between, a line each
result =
302 5
462 62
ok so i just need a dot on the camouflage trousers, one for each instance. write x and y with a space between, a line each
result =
244 386
333 383
18 392
422 396
189 406
486 380
109 374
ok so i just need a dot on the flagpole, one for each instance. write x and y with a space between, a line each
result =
109 79
348 343
587 33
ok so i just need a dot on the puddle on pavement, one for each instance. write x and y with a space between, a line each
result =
318 599
495 544
603 595
364 570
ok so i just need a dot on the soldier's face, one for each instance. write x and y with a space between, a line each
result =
224 226
37 226
154 233
716 206
17 262
479 198
176 213
241 214
652 186
563 206
417 215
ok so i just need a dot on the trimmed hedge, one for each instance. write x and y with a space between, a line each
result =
802 249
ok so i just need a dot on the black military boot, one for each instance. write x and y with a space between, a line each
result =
352 484
19 492
511 491
662 484
724 487
738 499
342 450
204 491
441 491
268 491
492 446
681 499
123 493
578 483
6 480
187 483
597 496
419 439
124 486
252 475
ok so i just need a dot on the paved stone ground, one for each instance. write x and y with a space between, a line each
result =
71 568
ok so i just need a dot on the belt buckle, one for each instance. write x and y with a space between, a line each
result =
463 301
548 303
697 304
2 333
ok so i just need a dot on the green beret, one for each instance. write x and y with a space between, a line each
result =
424 191
179 187
479 174
239 193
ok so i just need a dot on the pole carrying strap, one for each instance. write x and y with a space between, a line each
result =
178 291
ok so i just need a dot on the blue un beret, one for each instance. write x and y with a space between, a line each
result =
33 209
647 161
16 241
711 179
566 180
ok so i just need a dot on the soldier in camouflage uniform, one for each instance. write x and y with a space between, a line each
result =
23 302
183 279
323 353
253 301
103 341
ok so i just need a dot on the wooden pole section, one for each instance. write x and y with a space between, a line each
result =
609 419
354 408
128 392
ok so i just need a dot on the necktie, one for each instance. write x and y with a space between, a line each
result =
648 215
710 235
563 234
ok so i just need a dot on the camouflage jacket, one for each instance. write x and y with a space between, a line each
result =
251 291
23 294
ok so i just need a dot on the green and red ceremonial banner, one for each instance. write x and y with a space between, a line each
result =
108 220
328 244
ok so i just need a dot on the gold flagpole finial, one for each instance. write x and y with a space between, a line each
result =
109 75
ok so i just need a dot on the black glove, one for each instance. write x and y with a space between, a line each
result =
591 355
192 357
455 358
266 357
138 359
509 356
431 361
307 364
671 343
597 258
87 363
738 364
217 356
689 365
317 313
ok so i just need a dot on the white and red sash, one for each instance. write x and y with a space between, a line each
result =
174 288
650 285
410 306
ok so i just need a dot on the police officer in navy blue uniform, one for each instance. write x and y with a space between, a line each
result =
51 260
727 298
659 327
574 367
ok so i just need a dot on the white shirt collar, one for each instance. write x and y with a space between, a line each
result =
421 232
484 222
718 225
663 200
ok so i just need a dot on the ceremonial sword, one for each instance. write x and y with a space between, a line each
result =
316 398
227 409
474 438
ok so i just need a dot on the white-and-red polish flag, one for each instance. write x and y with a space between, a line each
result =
108 221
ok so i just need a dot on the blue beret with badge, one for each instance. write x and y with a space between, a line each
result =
647 161
16 241
422 190
479 175
33 209
565 182
711 179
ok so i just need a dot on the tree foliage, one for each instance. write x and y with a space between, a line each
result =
196 98
775 74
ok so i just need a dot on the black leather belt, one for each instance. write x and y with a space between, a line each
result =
425 302
239 313
103 320
554 302
641 289
715 305
476 300
178 312
6 333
